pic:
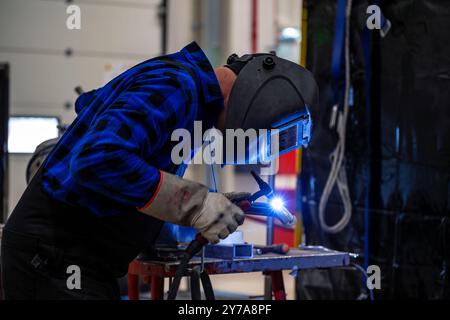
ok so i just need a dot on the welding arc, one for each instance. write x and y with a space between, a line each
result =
338 173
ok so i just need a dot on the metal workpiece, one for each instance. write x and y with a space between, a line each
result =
229 251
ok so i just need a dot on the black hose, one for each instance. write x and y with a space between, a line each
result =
178 275
207 286
194 247
196 293
364 273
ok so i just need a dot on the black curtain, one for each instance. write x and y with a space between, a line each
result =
399 148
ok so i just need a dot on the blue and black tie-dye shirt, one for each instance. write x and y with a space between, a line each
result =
108 161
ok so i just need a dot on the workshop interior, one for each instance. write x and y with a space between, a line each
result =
356 92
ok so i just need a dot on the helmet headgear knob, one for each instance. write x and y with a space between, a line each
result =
232 58
269 63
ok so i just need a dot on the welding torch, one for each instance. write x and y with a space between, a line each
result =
274 208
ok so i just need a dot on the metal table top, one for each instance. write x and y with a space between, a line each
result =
296 259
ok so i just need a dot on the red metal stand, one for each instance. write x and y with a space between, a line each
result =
133 287
279 292
157 288
154 274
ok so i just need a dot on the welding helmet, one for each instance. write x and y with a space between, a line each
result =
274 94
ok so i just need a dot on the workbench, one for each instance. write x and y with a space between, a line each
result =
154 272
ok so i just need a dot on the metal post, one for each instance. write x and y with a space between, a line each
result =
4 116
163 16
269 241
270 231
254 26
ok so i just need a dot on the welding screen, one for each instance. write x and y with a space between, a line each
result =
286 139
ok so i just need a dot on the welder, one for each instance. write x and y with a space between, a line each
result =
104 192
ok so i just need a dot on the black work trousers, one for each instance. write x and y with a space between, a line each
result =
51 250
35 270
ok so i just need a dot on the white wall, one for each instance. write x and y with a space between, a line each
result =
238 26
272 15
33 38
289 12
180 24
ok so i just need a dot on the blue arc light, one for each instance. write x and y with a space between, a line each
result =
277 204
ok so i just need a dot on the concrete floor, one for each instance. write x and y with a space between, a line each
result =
244 286
248 285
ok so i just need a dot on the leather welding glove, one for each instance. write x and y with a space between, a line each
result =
237 196
188 203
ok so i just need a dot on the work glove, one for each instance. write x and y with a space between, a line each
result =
237 197
188 203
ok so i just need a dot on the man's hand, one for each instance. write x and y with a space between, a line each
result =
188 203
218 218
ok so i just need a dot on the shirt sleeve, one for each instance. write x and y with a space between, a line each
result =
113 157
